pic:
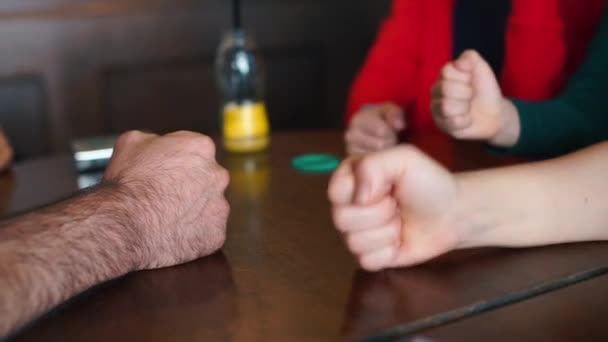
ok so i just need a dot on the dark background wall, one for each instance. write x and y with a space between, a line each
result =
74 68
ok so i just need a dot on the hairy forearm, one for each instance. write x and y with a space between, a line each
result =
558 201
50 255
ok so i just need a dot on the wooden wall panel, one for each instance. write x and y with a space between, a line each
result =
178 95
161 98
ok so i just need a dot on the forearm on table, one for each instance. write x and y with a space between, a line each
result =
558 201
48 256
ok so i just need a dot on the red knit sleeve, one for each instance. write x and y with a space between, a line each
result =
389 71
535 51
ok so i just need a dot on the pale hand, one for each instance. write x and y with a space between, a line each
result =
467 102
374 128
394 208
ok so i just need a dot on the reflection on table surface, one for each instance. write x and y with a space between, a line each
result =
150 305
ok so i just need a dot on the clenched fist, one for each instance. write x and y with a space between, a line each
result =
394 208
175 192
374 128
467 103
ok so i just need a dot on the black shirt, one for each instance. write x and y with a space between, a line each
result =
481 25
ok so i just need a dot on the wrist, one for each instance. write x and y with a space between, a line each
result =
509 127
470 218
117 227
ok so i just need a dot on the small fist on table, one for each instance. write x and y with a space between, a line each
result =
374 128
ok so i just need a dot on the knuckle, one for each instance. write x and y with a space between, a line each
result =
453 124
386 107
366 165
335 183
223 177
333 193
381 128
195 142
368 264
204 143
128 138
348 136
392 106
446 71
181 133
452 90
460 134
446 108
359 118
340 217
184 134
445 89
460 121
354 244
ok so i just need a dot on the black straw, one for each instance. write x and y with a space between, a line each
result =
236 14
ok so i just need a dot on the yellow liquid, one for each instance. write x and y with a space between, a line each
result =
246 127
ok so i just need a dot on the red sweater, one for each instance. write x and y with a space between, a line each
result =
545 42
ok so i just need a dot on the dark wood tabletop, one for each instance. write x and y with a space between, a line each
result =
577 313
284 274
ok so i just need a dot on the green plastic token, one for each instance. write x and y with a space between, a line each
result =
316 163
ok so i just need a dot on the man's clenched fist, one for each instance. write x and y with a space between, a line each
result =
175 191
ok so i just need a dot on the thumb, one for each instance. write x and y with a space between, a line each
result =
468 61
471 61
377 174
484 80
342 184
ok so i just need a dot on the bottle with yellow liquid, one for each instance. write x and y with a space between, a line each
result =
240 78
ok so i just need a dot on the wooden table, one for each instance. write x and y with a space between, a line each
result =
576 313
284 274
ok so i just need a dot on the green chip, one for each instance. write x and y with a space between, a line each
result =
316 163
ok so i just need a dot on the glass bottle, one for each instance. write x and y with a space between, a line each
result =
241 80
